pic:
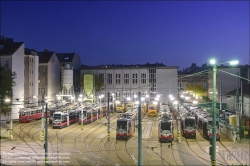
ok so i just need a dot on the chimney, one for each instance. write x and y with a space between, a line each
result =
46 50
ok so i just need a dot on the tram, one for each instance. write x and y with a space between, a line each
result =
152 110
205 127
30 114
125 126
165 128
63 119
188 126
89 114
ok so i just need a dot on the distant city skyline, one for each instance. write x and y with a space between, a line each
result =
124 32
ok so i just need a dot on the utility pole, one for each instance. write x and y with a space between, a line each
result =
82 118
108 118
221 95
213 149
42 121
46 136
11 122
139 132
238 106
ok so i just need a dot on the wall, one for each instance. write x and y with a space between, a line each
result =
53 75
18 67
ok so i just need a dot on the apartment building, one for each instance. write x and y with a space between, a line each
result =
49 75
12 57
31 63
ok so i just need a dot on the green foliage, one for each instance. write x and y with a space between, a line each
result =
7 83
197 89
206 99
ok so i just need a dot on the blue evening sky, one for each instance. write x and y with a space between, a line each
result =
176 33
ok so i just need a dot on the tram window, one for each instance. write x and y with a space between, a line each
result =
57 116
189 122
121 124
22 114
165 126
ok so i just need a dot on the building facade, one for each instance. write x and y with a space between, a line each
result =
127 80
227 79
31 64
12 57
49 76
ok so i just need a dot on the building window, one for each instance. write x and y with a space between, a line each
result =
126 78
143 78
6 64
101 78
109 78
117 78
152 80
134 78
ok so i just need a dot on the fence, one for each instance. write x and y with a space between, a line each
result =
241 132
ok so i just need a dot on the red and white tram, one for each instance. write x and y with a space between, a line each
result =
165 128
30 114
125 126
63 119
188 126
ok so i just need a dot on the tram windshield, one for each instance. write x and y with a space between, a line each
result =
121 124
166 126
189 122
57 116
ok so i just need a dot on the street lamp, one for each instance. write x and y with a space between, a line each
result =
213 149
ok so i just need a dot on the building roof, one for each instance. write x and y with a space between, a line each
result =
28 51
148 65
8 47
44 57
65 57
246 90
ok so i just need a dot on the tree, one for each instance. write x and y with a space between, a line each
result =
7 78
196 89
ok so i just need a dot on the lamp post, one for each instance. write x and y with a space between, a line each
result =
42 121
108 118
46 136
213 141
140 161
